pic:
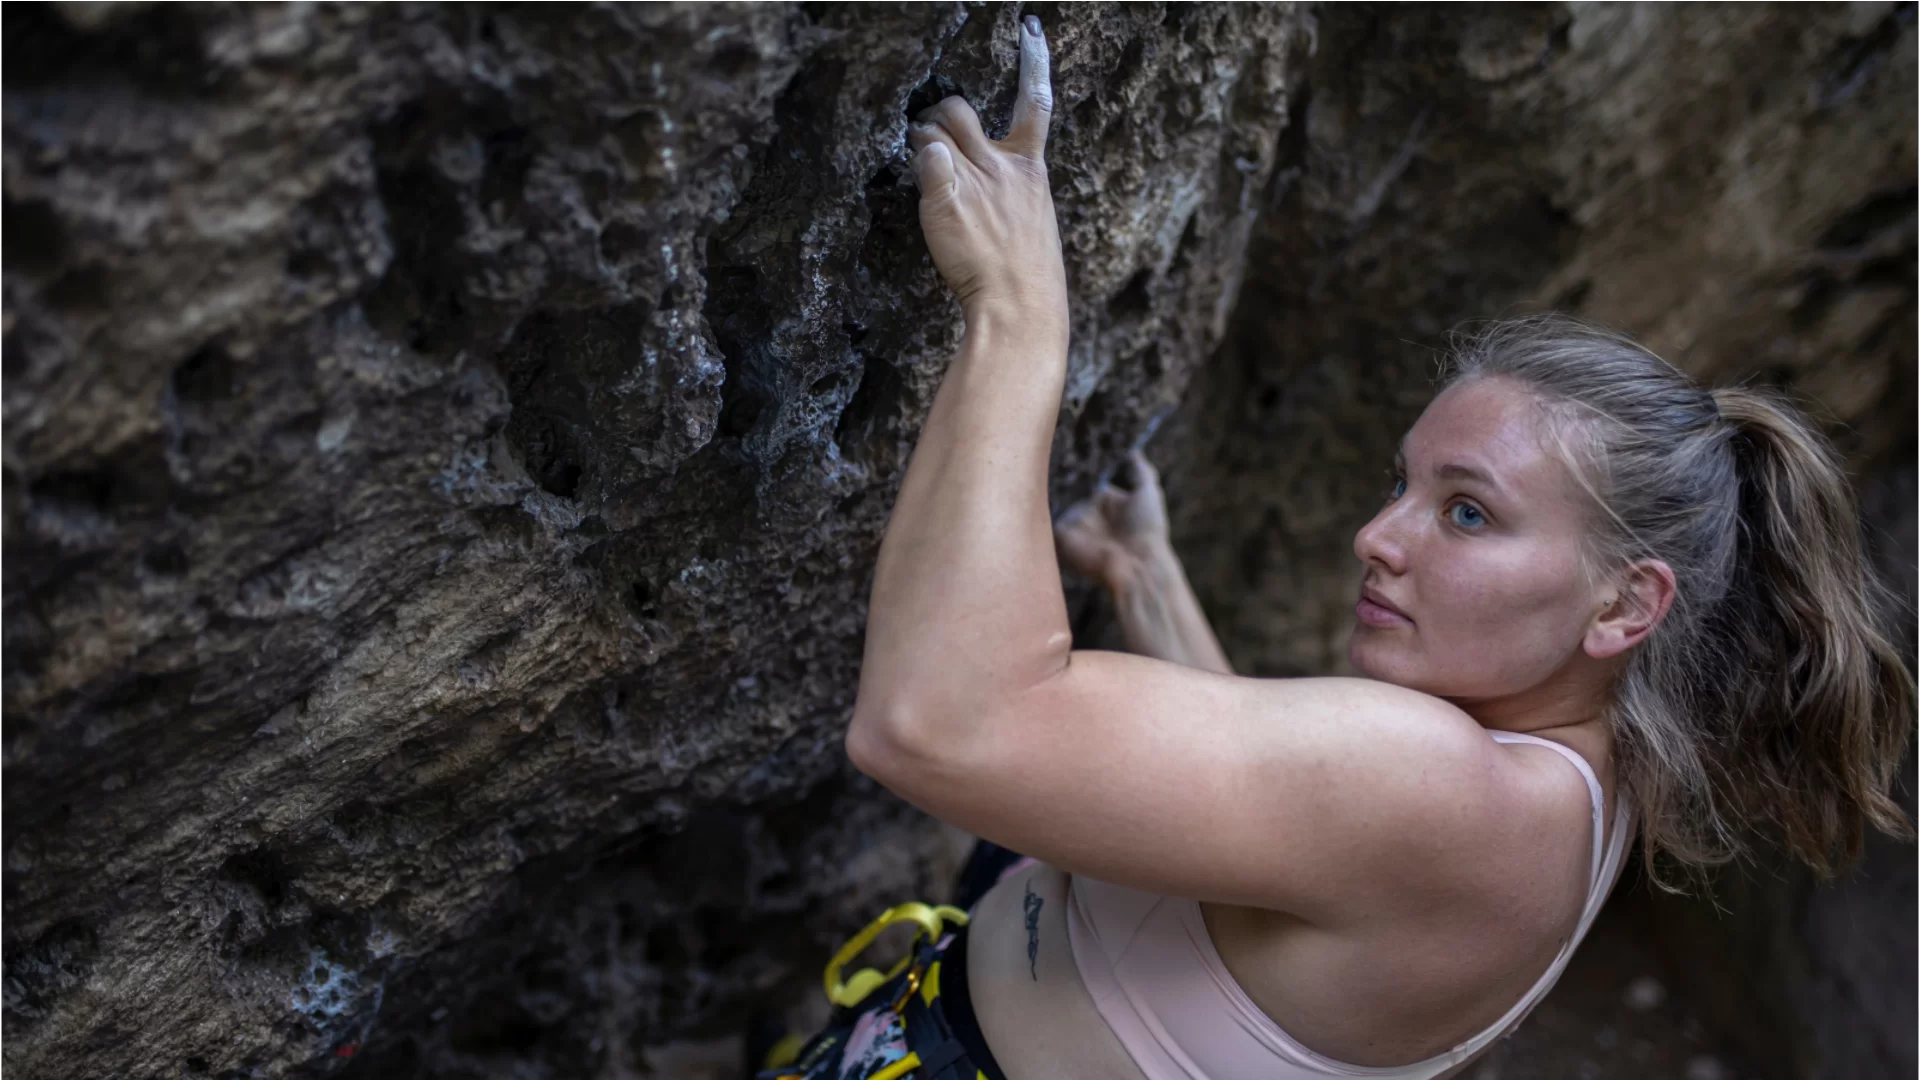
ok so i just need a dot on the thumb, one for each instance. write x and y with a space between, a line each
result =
933 171
1145 476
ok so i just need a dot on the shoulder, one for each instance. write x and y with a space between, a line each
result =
1421 806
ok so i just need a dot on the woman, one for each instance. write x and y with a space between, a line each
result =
1598 601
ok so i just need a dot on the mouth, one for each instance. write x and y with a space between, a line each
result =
1376 611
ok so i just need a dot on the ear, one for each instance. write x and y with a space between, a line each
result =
1640 597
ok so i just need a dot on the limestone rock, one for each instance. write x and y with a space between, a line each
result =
446 446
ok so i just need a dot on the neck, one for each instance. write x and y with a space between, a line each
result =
1572 697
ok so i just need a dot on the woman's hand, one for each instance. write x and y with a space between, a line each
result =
1112 532
985 206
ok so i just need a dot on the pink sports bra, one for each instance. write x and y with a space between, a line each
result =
1156 978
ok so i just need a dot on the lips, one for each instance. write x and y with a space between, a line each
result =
1377 611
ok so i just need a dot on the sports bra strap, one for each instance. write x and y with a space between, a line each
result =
1593 789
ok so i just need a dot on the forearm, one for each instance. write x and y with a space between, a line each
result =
967 607
1160 616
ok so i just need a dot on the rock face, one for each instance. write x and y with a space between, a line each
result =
446 447
445 454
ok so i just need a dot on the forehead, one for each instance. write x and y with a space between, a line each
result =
1492 425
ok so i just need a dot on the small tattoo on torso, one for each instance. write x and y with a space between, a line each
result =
1033 904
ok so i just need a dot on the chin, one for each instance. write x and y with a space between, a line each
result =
1361 658
1375 660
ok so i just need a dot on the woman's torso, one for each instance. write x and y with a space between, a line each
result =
1402 993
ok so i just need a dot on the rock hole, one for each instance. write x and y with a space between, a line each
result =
1087 116
735 59
167 560
872 401
205 377
621 243
31 236
640 599
259 869
932 92
83 289
1189 242
1891 272
91 489
740 411
196 1066
1133 59
1882 211
1136 297
307 264
550 459
665 949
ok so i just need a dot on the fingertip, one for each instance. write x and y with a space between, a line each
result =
933 168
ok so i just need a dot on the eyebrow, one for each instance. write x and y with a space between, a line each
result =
1450 471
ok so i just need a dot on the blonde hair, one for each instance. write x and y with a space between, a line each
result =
1770 699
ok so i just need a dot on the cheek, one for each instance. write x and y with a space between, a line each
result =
1509 616
1494 619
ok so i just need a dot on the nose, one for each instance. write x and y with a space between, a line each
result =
1380 542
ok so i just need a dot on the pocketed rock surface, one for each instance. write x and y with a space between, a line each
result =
446 447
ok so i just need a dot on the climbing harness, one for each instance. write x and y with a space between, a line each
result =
891 1023
851 992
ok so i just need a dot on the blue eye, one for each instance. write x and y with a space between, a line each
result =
1399 488
1466 515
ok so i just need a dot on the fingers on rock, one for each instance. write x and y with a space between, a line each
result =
933 168
958 119
1033 110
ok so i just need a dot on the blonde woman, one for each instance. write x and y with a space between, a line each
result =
1600 605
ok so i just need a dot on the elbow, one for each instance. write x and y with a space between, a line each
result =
901 744
875 742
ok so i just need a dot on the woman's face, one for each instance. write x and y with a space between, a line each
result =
1476 555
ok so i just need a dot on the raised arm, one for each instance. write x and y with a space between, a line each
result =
1119 538
967 608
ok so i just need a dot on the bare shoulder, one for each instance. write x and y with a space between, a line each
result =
1333 799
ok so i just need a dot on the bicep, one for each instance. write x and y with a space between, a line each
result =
1295 794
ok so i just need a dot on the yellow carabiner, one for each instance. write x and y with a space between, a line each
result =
850 991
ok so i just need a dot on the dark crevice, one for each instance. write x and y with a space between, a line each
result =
876 398
1863 57
1885 210
158 51
1136 296
421 301
32 237
205 377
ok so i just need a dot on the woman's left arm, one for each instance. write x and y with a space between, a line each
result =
967 607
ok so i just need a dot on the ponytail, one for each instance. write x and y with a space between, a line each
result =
1824 706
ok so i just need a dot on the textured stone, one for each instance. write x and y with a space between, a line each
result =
445 454
446 447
